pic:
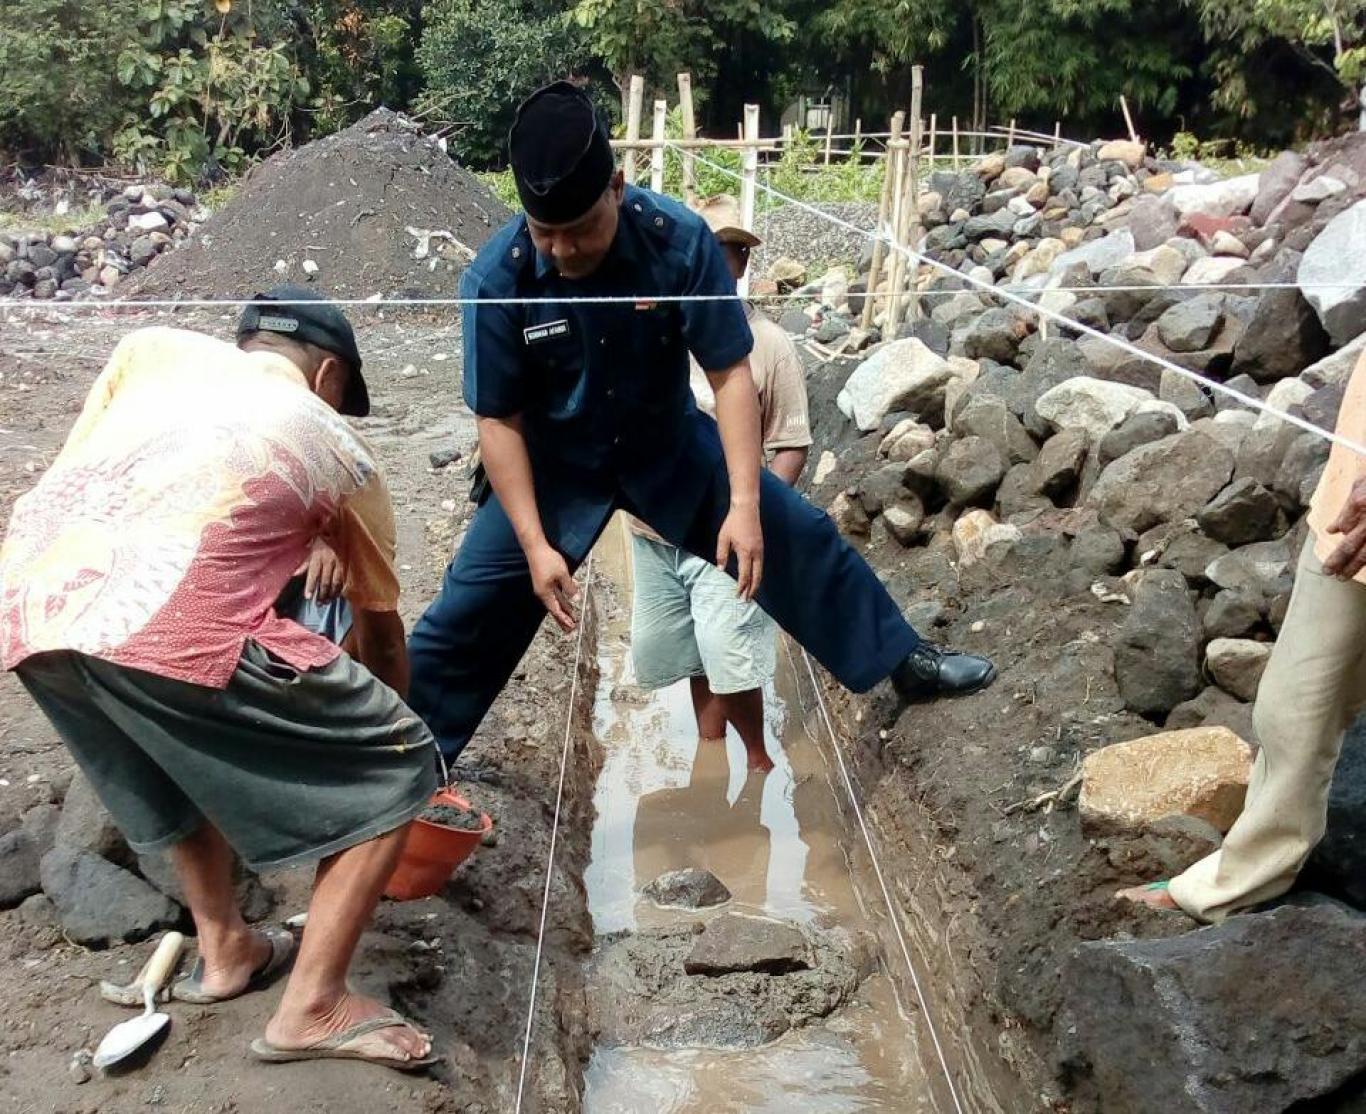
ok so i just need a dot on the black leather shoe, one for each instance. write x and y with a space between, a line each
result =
929 672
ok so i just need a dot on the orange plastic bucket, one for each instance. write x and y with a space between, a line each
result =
433 851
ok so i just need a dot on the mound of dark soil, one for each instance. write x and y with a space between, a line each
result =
379 208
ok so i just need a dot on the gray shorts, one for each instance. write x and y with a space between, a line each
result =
290 766
687 621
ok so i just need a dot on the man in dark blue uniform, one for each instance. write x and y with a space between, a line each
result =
584 408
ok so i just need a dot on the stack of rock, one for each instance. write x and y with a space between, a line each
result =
993 433
140 223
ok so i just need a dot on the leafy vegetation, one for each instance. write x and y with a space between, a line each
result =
193 89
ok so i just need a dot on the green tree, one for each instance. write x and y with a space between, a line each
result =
659 39
1329 36
481 57
362 53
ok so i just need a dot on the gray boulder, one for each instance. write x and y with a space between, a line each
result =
688 889
996 335
970 472
1231 615
1142 428
1277 181
1243 513
87 825
1332 275
1183 546
903 375
1186 395
1262 1013
997 225
1213 707
1236 665
1338 864
882 486
1163 481
100 903
1152 222
1098 255
19 876
1192 325
1157 651
1262 571
1058 467
735 942
988 417
904 518
1301 469
1283 338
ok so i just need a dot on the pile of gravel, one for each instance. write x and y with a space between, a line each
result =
801 235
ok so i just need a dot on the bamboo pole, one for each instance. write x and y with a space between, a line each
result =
657 151
1010 136
956 162
689 133
1128 119
633 110
858 132
934 137
750 167
829 138
884 203
1057 134
905 271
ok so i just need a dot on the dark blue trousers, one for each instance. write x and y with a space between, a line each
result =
469 641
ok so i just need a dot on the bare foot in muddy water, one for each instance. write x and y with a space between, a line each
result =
1155 897
400 1041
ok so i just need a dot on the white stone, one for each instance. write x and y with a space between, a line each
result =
1336 369
1093 405
1226 243
888 380
148 222
1319 189
824 467
1165 262
1218 199
1212 271
1332 274
310 267
1099 255
1284 395
835 289
907 439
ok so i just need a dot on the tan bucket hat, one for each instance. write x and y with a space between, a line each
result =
722 213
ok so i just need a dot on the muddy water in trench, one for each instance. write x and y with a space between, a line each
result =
780 844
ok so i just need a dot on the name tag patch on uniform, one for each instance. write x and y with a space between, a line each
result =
533 333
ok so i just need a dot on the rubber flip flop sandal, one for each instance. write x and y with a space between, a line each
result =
190 988
335 1047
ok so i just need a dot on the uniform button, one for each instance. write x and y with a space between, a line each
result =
659 222
638 207
611 393
616 440
603 342
516 253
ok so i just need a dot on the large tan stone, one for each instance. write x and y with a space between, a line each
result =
1128 787
1123 150
975 532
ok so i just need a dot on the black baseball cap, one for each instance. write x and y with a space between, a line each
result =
306 315
560 154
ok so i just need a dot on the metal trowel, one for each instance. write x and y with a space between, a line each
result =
128 1036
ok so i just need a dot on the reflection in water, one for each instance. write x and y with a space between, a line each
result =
665 802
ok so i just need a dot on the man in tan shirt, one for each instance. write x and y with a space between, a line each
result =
686 619
1313 687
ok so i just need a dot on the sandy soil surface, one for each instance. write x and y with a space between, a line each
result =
461 962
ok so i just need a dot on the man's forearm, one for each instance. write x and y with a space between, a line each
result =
787 465
502 447
737 415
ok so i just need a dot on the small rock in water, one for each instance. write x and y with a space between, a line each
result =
688 889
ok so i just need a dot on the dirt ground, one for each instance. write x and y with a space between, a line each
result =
459 963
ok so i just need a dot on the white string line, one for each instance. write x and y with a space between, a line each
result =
892 910
555 829
1249 401
36 305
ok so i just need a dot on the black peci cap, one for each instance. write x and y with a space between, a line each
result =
311 319
561 156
